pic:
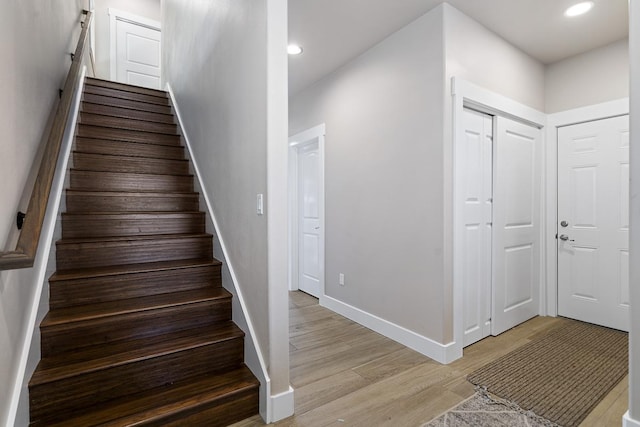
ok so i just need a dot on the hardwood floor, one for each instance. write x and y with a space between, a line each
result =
347 375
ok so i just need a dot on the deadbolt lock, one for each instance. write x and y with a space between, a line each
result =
564 224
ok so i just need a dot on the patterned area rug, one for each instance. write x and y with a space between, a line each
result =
481 410
561 376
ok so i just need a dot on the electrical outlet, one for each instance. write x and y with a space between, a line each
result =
341 279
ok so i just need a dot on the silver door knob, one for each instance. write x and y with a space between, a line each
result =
564 223
564 237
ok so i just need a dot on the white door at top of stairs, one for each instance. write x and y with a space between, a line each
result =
593 222
137 52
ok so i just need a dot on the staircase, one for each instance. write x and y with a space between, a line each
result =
139 330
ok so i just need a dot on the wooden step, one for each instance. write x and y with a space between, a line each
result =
126 87
131 96
123 181
126 103
88 253
101 132
126 123
114 201
131 149
214 401
79 225
129 113
71 382
73 328
95 285
111 163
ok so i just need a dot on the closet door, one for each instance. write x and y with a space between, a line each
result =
516 224
474 204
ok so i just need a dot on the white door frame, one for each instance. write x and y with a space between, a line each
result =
119 15
298 140
605 110
467 94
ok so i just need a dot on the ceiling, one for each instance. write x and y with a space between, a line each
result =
334 31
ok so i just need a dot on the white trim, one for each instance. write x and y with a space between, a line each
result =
443 353
281 405
605 110
627 421
119 15
296 141
261 369
44 247
467 94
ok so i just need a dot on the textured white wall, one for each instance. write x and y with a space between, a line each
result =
149 9
596 76
36 38
383 179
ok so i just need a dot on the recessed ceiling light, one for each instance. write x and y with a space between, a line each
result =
579 9
294 49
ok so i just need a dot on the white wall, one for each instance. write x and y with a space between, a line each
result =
36 38
634 238
215 57
383 180
593 77
146 8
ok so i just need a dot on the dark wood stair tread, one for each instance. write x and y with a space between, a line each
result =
126 135
159 403
126 87
129 239
90 88
133 305
127 113
104 356
132 215
141 163
117 270
130 123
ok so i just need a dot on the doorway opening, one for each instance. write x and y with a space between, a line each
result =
306 207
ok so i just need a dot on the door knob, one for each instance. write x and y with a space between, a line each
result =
564 237
564 223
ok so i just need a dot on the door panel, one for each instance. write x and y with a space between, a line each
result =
474 166
309 219
516 224
137 55
593 199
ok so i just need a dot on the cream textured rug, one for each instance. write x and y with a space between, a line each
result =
482 410
561 376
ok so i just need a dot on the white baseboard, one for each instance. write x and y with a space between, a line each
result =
443 353
281 406
627 421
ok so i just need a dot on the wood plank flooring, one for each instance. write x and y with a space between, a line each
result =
347 375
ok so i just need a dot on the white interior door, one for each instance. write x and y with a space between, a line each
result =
516 224
475 193
137 54
309 244
593 222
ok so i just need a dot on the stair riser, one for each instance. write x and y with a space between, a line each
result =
65 337
126 87
116 181
129 113
87 226
122 148
78 202
113 288
126 103
90 131
104 163
133 96
82 391
123 123
88 255
220 413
